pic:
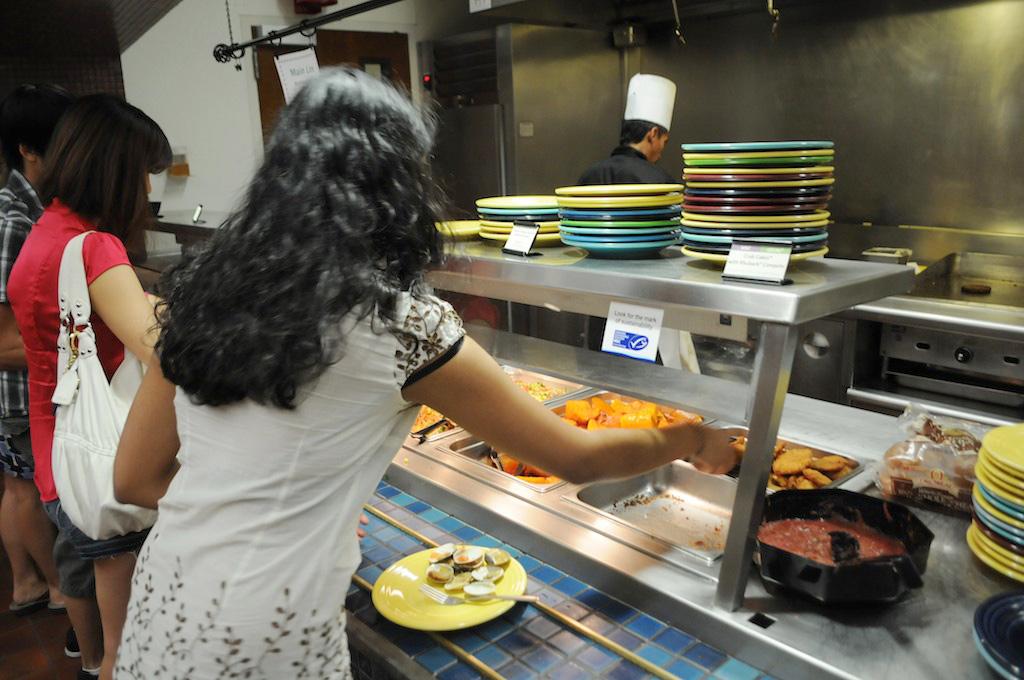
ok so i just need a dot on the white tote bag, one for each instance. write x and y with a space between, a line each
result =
90 413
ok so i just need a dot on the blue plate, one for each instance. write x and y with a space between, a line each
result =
740 233
618 239
723 147
702 238
1009 508
621 250
653 215
529 217
1012 534
999 633
509 211
597 231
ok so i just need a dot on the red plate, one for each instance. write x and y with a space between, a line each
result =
761 209
759 200
756 178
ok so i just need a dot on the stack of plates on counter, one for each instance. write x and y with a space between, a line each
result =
759 191
498 215
999 634
620 220
996 536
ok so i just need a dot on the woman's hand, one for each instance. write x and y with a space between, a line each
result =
715 454
364 520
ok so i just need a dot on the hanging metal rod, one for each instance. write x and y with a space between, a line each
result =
225 53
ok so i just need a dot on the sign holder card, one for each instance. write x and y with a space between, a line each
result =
633 331
758 262
520 241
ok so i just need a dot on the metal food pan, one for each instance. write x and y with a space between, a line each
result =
817 452
478 451
559 407
571 389
674 504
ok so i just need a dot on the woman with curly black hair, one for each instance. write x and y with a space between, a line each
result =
293 349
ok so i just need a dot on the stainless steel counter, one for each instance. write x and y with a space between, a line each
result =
927 635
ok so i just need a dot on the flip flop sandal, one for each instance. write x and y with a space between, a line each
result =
26 608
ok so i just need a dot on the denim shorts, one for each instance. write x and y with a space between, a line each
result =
16 451
75 574
88 548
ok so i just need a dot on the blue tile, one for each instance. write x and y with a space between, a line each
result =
369 616
435 534
542 659
459 671
417 507
645 626
654 654
370 574
598 623
569 671
626 639
734 669
435 659
404 544
379 554
550 597
706 656
517 643
685 671
542 627
357 601
572 610
529 564
610 607
521 614
387 534
674 640
387 491
467 534
494 630
493 656
486 541
414 643
547 574
403 499
626 671
433 515
570 586
516 671
567 642
368 543
596 657
468 640
450 524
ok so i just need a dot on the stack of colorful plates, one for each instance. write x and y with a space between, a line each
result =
498 215
996 536
760 191
620 220
999 634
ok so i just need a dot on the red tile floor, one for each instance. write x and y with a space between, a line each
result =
32 647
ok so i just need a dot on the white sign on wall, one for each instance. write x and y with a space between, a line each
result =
294 69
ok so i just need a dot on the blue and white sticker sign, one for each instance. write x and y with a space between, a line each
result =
633 331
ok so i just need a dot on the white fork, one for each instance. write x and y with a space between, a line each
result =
439 597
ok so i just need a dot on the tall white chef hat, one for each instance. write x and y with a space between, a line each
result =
650 98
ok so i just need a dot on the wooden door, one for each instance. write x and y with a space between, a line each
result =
384 55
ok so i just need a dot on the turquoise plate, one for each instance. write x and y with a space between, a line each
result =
594 231
703 238
599 224
1012 534
1010 509
722 147
619 239
621 250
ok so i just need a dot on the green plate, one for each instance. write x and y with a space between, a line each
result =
750 162
623 225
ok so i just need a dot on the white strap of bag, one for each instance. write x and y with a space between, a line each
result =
76 338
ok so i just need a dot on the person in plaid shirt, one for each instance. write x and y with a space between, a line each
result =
46 571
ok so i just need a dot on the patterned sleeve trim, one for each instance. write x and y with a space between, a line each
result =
429 335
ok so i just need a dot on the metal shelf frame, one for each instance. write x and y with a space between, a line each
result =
694 297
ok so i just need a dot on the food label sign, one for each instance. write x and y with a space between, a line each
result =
294 69
633 331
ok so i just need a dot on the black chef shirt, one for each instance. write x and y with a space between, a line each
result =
626 165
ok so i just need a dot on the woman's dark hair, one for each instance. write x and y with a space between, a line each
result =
98 161
338 220
634 131
28 115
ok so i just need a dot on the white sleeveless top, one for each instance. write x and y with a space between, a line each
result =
245 573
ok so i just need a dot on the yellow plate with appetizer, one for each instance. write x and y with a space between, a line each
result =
398 597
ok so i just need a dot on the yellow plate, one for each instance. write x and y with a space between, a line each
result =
1015 560
828 181
619 190
397 596
987 506
988 557
758 154
810 217
542 239
757 171
1006 446
998 468
753 225
488 225
517 202
715 257
620 201
460 229
995 484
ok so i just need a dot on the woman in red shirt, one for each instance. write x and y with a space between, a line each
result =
97 180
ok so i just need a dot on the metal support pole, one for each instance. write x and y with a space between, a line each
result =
768 385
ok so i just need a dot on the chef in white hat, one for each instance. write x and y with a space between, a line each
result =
649 104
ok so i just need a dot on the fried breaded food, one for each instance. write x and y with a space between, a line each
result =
803 484
817 478
792 461
780 447
829 464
